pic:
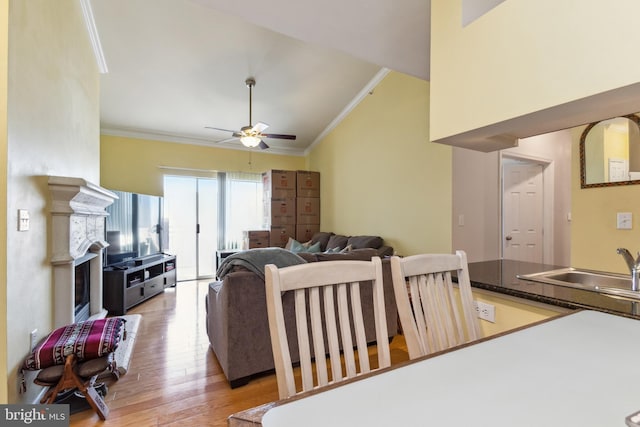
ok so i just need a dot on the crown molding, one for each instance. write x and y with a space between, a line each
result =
94 37
366 91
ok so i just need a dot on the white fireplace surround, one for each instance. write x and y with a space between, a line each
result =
77 221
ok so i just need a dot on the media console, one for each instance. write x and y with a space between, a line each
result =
131 282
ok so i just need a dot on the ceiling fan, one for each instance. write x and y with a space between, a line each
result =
251 136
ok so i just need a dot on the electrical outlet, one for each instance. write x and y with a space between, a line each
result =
485 311
33 337
624 220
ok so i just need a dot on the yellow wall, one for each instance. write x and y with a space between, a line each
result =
594 237
53 129
4 44
616 147
130 164
512 312
523 57
380 175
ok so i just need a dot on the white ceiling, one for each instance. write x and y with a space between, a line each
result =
176 66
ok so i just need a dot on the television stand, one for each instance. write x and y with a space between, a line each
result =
131 282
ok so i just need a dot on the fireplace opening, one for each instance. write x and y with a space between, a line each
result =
82 291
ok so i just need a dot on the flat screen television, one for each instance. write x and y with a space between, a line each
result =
135 227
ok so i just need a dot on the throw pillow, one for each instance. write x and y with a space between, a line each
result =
332 250
315 248
87 340
288 245
295 243
337 241
346 249
322 237
297 247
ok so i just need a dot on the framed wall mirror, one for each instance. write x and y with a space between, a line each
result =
610 152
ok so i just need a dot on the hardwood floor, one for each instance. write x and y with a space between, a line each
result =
174 378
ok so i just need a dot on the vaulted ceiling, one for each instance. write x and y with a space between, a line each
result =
177 66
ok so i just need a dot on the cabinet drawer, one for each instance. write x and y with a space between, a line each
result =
153 286
134 295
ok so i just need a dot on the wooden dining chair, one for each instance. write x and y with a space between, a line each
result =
328 309
433 316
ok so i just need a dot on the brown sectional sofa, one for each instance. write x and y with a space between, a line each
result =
237 323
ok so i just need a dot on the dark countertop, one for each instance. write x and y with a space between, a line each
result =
500 276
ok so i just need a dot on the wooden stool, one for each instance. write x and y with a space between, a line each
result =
80 376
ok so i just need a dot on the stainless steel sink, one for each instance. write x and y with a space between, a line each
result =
596 281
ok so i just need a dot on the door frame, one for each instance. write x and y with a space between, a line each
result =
548 178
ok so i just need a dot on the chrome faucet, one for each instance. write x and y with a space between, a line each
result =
634 267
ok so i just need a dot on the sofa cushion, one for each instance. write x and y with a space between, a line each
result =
322 237
359 242
86 369
337 241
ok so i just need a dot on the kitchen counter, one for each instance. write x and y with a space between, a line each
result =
500 276
578 369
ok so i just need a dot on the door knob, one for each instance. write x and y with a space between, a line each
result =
508 237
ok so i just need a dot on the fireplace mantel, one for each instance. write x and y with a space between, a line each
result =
78 212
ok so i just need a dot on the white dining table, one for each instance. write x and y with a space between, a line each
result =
582 369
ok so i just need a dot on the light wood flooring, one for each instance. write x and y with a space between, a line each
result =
174 378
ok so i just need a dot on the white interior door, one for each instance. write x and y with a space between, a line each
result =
618 170
523 203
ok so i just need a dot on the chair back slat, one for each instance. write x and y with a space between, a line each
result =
332 334
328 302
316 330
358 322
303 339
428 305
417 291
345 331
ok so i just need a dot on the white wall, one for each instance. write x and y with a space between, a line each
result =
476 184
53 129
476 196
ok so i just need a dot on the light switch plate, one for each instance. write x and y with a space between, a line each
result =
23 220
624 220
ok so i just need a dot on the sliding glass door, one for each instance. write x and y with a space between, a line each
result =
191 206
207 214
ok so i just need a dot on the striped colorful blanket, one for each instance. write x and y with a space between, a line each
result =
87 340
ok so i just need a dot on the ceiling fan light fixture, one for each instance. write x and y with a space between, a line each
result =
251 136
250 141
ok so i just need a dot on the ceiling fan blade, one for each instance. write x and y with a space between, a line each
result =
222 141
259 127
237 134
278 136
223 130
263 145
